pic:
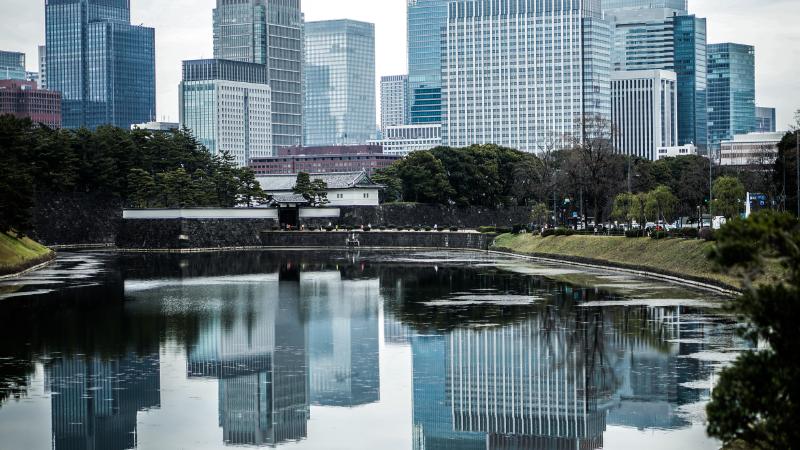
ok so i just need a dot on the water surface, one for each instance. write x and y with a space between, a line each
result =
314 350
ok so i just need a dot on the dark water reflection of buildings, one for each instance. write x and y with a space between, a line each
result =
282 334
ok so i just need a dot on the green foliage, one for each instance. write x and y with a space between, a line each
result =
728 196
540 215
660 204
144 169
423 178
757 400
315 192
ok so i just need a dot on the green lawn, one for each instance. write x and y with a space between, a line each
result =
20 254
679 257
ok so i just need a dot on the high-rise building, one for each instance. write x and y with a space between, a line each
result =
339 106
43 67
680 5
690 65
643 39
731 91
12 65
401 140
22 99
103 66
509 79
268 32
644 111
426 23
226 104
394 101
766 121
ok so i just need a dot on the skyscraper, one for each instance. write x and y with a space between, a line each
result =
42 67
509 79
103 66
644 111
681 5
394 101
339 106
227 104
643 39
426 23
765 120
690 65
268 32
731 91
12 65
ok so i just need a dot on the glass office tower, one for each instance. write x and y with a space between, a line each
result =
731 91
268 32
508 79
426 23
339 104
681 5
103 66
12 65
690 65
766 121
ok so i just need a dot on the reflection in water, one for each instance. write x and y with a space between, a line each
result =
279 334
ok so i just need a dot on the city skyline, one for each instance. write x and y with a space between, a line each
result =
176 23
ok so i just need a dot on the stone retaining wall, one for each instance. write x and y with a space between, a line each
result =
169 234
405 214
377 239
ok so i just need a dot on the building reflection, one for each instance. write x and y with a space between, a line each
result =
95 400
255 345
556 379
343 338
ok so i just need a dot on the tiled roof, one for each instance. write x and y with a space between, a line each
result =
288 198
342 180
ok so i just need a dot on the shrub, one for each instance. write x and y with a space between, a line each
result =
276 228
329 228
367 229
416 228
634 233
441 229
427 228
707 234
502 230
311 228
486 229
453 228
548 232
564 232
659 235
349 228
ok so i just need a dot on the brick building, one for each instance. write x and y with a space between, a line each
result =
331 159
23 99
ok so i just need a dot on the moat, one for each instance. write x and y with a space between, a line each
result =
354 350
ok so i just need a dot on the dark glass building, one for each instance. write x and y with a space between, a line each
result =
103 66
690 65
12 65
731 91
268 32
426 22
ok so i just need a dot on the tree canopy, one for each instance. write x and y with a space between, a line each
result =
314 191
142 168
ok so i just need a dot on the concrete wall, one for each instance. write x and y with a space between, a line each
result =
202 213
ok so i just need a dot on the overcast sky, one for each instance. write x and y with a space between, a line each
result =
184 31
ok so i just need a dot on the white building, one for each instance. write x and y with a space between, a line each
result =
644 111
394 101
42 67
674 152
156 126
344 189
750 149
227 105
523 74
404 139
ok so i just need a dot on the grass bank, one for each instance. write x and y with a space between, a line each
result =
18 254
683 258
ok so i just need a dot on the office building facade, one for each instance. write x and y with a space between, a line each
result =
690 65
643 39
644 112
681 5
268 32
766 121
23 99
426 23
731 91
394 101
339 106
403 139
103 66
333 159
12 65
227 105
751 149
42 67
510 79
